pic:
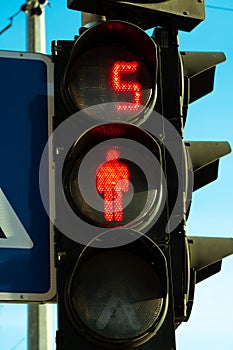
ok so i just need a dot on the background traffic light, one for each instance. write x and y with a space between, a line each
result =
176 14
124 181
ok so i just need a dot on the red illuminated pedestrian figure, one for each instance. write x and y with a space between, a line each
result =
112 180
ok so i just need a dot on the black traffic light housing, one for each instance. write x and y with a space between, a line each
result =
129 281
143 308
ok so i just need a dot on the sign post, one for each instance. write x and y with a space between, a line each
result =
26 237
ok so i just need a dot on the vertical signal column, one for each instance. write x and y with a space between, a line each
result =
114 280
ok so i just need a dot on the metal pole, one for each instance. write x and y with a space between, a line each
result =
40 335
35 27
39 316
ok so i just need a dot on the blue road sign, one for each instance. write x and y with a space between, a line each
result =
26 239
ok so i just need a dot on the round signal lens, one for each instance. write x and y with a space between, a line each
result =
108 74
112 176
119 296
118 303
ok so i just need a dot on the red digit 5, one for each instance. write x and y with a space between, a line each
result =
118 85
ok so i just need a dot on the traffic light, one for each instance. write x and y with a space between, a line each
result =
124 179
114 282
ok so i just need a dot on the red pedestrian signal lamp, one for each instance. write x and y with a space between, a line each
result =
112 180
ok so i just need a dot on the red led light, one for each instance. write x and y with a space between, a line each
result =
112 180
120 68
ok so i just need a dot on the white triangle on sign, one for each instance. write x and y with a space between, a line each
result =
11 226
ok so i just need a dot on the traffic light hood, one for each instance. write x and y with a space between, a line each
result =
206 254
199 70
205 157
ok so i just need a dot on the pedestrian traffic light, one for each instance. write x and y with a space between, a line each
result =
123 186
110 189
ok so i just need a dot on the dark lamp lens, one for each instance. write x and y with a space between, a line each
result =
120 295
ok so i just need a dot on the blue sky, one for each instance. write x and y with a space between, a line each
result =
210 118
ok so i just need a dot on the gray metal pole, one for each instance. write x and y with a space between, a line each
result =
35 27
39 316
40 335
